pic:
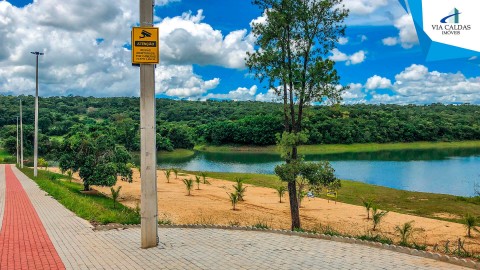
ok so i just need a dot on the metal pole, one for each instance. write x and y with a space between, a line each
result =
18 152
149 211
35 140
21 136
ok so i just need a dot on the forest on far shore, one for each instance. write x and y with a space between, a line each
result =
184 124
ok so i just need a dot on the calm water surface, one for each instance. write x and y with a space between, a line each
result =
452 171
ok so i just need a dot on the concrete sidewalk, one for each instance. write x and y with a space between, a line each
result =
79 247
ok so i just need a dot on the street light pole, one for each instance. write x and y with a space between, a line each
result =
21 136
149 208
35 140
18 152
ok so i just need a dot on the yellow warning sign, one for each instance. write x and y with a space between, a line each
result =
145 46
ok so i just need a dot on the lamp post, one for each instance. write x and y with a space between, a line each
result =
18 152
21 136
35 140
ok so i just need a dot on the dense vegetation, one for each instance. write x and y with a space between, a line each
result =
182 124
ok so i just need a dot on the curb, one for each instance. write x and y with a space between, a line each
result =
410 251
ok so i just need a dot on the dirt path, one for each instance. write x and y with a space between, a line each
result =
211 205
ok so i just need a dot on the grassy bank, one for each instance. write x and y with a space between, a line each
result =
437 206
344 148
177 153
95 208
6 157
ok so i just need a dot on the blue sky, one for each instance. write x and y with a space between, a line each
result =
203 44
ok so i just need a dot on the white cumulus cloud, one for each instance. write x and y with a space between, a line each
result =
187 40
407 35
390 41
377 82
239 94
353 59
85 43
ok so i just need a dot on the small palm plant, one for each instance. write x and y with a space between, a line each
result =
233 199
168 172
239 188
368 204
188 184
204 176
115 194
175 171
281 191
377 216
301 195
405 231
197 180
471 223
70 175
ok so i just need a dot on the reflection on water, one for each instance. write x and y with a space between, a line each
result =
449 171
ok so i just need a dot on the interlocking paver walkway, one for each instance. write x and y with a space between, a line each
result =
24 243
82 248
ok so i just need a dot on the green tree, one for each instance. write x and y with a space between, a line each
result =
293 47
97 159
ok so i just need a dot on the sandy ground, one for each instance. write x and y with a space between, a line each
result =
211 205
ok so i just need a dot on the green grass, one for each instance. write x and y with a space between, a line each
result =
6 157
95 208
414 203
177 153
344 148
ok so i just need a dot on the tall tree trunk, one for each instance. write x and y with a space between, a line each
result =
86 186
292 185
294 210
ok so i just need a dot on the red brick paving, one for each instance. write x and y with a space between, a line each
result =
24 242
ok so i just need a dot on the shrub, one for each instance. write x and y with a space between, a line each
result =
204 176
368 204
70 175
168 172
115 194
377 216
175 171
233 199
188 184
281 191
239 189
197 180
470 223
405 232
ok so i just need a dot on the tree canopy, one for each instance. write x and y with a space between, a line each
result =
97 159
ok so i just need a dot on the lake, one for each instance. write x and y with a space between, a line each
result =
450 171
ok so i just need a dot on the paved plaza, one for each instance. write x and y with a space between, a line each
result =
39 233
